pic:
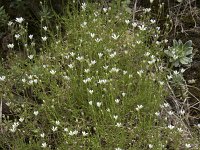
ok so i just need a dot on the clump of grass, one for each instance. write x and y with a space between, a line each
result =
94 84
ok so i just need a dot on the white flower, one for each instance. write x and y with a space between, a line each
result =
150 146
84 133
171 127
98 40
92 35
44 38
30 56
130 76
52 72
105 67
72 54
44 145
30 37
66 129
102 81
127 21
105 9
118 148
180 130
182 112
66 78
42 135
90 91
147 10
165 40
17 36
115 117
188 145
147 54
87 80
157 42
57 122
54 129
151 1
138 42
83 6
75 132
8 103
71 133
192 81
152 21
96 14
99 104
92 62
10 45
179 1
100 55
45 28
123 94
118 124
94 20
83 24
157 113
166 104
117 101
134 24
23 80
19 20
10 23
114 70
12 130
35 113
67 56
182 70
80 58
142 28
2 78
125 72
198 125
90 102
152 61
71 66
170 112
30 76
30 82
169 77
109 50
86 70
140 72
21 119
158 28
114 36
139 107
14 126
113 55
161 82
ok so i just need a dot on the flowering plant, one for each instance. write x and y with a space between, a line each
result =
180 53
